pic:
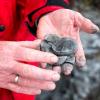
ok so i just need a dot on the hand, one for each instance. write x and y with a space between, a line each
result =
14 59
66 23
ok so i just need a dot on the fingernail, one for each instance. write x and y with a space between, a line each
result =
56 77
95 29
67 72
52 87
54 59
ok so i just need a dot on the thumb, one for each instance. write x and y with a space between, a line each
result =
85 24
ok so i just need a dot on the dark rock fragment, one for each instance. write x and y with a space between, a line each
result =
64 48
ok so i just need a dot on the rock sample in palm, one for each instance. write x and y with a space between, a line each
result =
64 48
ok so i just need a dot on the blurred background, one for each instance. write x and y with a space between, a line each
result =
84 83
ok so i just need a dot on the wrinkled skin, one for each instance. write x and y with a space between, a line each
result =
64 48
15 58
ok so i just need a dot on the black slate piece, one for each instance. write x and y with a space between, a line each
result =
64 48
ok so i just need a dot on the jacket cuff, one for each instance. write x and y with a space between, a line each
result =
34 17
44 11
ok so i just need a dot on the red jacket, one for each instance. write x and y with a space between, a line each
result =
14 14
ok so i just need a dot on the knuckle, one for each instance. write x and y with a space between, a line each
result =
45 57
27 83
16 67
24 70
28 57
17 53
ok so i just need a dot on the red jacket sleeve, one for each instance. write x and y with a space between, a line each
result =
29 6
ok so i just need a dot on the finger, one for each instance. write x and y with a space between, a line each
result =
43 65
25 90
57 69
31 55
36 84
67 68
30 44
33 72
80 55
85 24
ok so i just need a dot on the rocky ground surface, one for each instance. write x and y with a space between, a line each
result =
82 84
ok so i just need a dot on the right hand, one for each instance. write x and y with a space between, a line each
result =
14 59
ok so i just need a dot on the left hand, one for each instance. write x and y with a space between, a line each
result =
66 23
